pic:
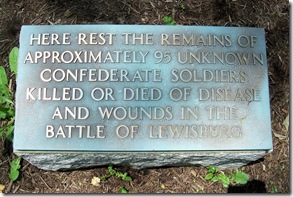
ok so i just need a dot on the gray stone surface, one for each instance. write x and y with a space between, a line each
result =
138 160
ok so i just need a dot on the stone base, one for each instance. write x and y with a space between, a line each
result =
69 161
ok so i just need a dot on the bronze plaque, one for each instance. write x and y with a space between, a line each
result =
142 88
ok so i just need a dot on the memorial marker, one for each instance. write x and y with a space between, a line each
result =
142 96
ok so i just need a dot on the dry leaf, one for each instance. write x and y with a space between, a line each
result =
2 187
263 167
281 137
286 123
58 21
193 173
96 181
68 13
163 186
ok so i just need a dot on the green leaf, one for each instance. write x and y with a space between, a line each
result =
103 178
120 174
7 99
11 121
14 167
13 58
127 178
212 169
3 77
182 6
13 175
4 92
123 176
123 190
9 133
111 170
15 164
6 112
209 176
274 188
172 23
224 179
215 179
10 112
2 115
240 178
167 19
225 183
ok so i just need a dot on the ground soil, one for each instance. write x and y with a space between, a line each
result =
270 174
